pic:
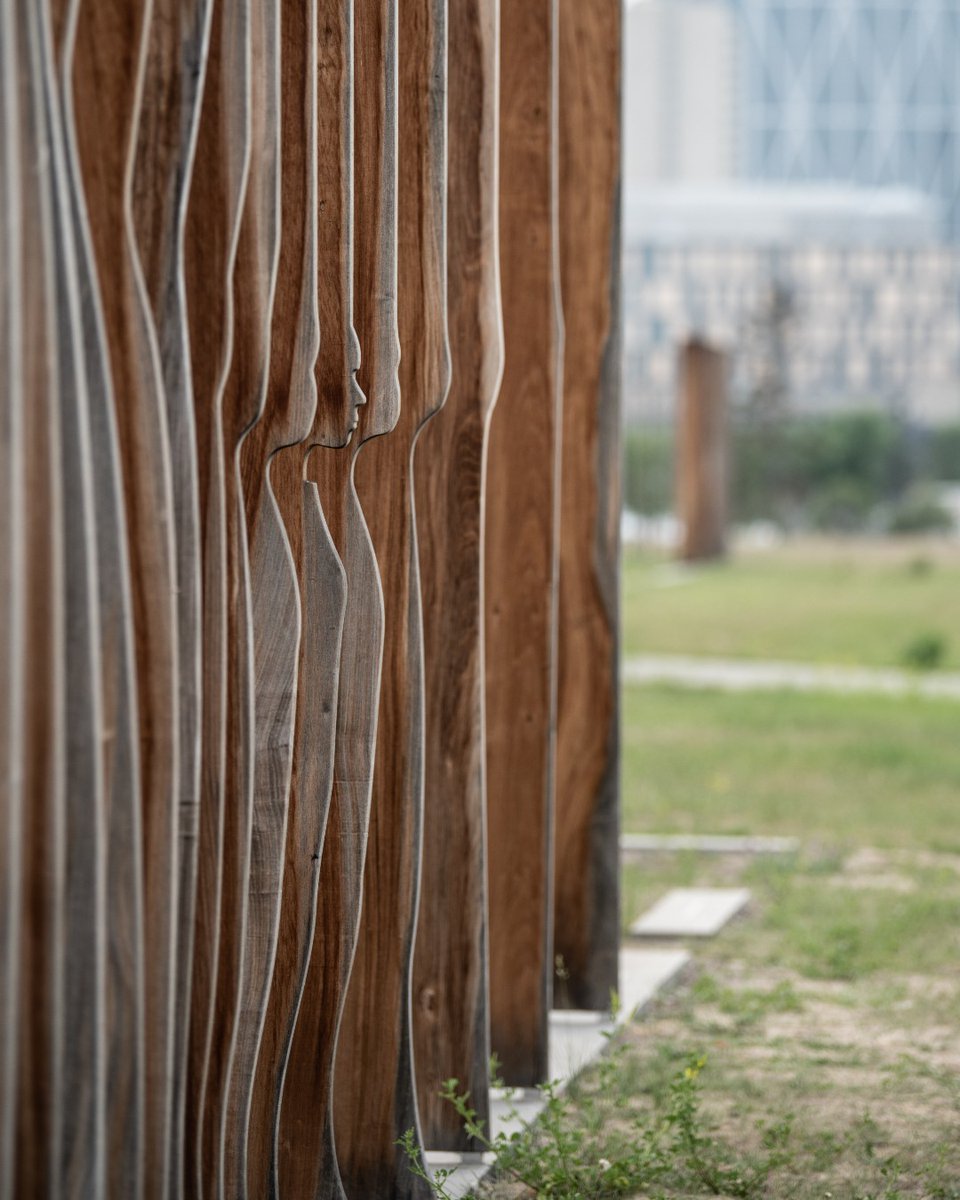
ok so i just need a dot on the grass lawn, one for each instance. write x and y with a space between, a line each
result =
852 770
810 601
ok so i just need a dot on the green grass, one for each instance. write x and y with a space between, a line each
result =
815 602
860 770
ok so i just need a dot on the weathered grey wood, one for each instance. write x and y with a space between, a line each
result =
521 539
305 1155
375 1087
40 1104
12 566
110 54
227 323
702 450
450 985
587 855
163 162
123 1000
83 1143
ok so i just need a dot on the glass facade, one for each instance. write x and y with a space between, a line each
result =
855 91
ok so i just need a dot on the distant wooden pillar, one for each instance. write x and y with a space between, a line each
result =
702 454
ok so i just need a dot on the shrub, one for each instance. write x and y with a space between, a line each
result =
926 652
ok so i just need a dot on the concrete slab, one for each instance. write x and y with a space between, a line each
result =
691 913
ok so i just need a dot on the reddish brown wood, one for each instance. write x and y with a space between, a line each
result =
451 1021
107 77
12 609
305 1154
375 1091
702 451
40 1109
213 275
167 130
587 853
521 547
121 916
293 850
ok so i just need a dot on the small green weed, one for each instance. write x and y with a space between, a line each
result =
598 1147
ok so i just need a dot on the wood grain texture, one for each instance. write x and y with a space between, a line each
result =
450 983
375 1091
174 69
305 1161
226 333
110 54
521 564
119 747
587 855
40 1104
85 1016
12 616
255 284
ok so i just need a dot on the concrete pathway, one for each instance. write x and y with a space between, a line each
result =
742 675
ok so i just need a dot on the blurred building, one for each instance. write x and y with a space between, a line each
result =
680 91
850 296
856 91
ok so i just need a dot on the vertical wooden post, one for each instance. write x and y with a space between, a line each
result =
304 1154
375 1092
451 1020
174 70
13 563
111 48
702 451
521 548
587 860
40 1103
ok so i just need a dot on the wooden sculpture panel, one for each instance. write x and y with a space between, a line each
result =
122 914
12 614
217 191
83 1145
587 854
451 1020
40 1107
173 77
305 1154
375 1089
107 78
521 565
291 851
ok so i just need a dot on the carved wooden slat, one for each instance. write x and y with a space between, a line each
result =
451 1021
375 1088
217 275
83 1145
294 347
305 1154
107 78
521 561
255 283
166 138
40 1106
12 567
587 856
123 1000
